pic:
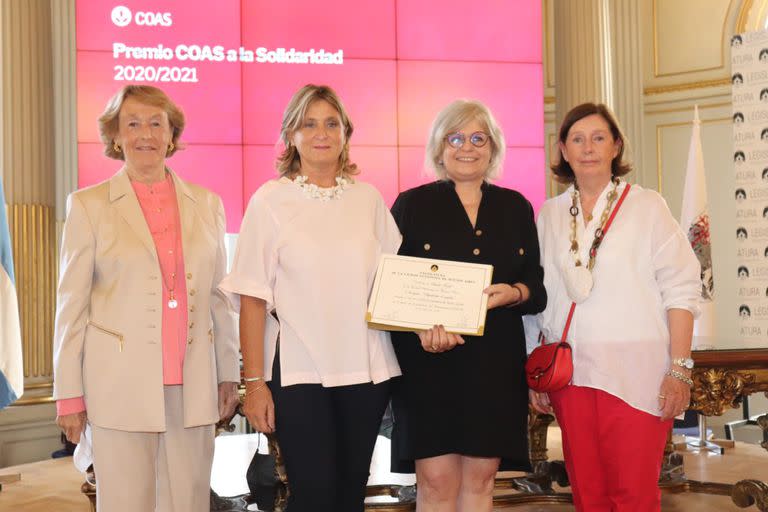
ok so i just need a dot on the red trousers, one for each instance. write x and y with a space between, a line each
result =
613 452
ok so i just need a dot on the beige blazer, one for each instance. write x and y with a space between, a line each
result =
107 340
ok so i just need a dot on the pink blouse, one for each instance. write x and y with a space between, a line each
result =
160 208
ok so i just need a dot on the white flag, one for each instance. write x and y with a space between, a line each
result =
694 219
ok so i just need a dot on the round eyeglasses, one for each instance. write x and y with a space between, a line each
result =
477 139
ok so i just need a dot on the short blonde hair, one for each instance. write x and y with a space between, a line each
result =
289 161
452 118
109 121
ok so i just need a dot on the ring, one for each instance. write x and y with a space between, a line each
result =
434 348
662 397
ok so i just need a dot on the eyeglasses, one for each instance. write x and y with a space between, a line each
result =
477 139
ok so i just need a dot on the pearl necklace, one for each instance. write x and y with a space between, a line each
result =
312 191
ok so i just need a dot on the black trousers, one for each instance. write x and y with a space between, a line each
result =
327 436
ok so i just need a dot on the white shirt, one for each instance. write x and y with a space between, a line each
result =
314 263
644 266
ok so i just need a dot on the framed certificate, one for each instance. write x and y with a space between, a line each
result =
411 294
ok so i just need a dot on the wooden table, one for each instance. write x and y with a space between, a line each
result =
724 374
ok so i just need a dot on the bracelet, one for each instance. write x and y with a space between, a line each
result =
252 391
680 376
252 379
520 291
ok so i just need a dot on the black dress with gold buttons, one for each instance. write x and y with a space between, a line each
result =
471 400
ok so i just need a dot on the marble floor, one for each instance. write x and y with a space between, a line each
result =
54 485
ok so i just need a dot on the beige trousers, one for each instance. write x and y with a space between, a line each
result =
154 471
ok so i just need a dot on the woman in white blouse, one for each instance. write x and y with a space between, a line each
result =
304 266
632 326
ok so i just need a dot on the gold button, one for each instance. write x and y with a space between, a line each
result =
189 341
521 251
427 247
191 324
476 252
189 276
192 292
192 309
479 232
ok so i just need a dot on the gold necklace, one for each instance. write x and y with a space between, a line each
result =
170 285
598 239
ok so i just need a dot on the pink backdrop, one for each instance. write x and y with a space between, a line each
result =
403 61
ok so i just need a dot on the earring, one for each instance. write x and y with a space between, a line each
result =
171 147
116 147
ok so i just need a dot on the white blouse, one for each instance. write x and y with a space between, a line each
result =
314 262
644 267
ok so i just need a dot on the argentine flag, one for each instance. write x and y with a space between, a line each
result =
11 369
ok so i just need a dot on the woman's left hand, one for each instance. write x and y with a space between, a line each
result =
502 294
674 397
228 399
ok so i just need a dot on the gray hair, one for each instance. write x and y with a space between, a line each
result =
457 114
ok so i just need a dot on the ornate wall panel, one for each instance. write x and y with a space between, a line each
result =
688 36
686 42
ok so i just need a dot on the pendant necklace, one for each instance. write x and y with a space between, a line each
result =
171 286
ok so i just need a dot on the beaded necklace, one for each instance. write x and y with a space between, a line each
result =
578 278
598 239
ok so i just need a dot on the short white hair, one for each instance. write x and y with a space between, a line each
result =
457 114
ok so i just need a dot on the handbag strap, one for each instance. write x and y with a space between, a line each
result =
568 322
605 230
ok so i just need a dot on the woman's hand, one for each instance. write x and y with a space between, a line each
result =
72 425
437 339
228 399
258 407
540 402
674 397
503 294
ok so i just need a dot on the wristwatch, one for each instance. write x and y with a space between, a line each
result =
683 362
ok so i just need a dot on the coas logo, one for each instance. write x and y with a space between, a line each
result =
121 16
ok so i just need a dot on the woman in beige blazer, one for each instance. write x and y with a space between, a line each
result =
145 350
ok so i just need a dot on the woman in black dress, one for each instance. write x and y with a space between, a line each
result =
461 406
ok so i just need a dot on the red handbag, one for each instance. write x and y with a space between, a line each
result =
550 366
